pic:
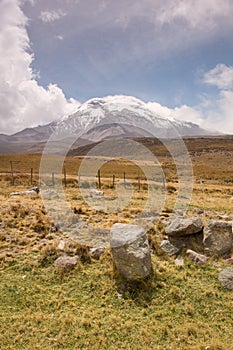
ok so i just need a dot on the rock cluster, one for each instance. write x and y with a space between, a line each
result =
215 238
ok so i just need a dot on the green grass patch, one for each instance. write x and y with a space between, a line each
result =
92 308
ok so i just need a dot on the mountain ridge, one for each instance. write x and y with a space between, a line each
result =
98 119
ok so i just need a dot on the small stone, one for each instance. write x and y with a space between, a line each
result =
96 252
199 259
169 248
95 192
226 278
229 261
198 211
61 245
179 261
66 263
119 295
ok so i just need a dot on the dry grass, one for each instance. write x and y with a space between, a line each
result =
182 308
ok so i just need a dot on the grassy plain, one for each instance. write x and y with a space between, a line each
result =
91 307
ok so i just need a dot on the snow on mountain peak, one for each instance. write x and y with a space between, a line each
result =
117 109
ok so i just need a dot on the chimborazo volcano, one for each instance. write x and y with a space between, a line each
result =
99 119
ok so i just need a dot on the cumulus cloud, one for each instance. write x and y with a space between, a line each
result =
184 112
220 118
211 114
23 101
196 13
51 16
220 76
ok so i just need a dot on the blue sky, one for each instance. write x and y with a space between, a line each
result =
175 55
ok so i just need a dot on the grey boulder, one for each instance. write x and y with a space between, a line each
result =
218 237
226 278
183 226
130 250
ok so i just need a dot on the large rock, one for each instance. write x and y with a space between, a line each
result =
130 251
183 226
186 232
226 278
218 238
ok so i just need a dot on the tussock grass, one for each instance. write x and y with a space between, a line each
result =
92 307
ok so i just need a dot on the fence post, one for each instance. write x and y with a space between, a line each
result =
164 182
124 179
99 181
139 184
64 171
31 176
202 186
12 174
53 180
113 181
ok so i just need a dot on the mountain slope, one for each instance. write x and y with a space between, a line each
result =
98 119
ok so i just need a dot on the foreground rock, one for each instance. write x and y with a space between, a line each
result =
183 226
130 251
218 237
186 232
169 248
226 278
66 263
199 259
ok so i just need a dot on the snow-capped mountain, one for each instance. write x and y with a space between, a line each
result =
127 111
101 118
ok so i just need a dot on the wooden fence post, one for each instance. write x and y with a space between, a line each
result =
99 180
64 171
113 181
202 186
124 179
139 184
12 174
31 176
53 180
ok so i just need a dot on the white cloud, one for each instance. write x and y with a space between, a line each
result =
211 115
196 13
221 76
51 16
23 101
220 118
189 114
60 37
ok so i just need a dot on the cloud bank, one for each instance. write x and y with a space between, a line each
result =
24 102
